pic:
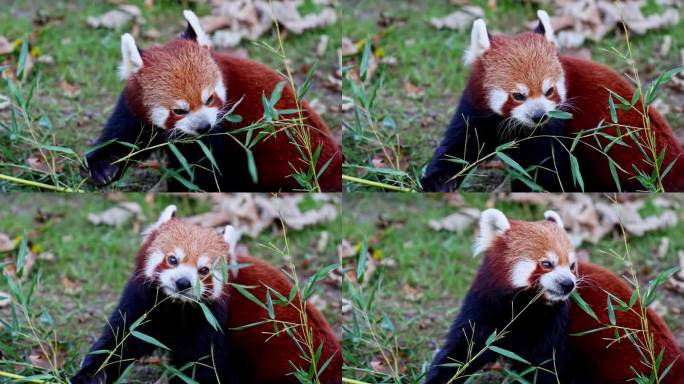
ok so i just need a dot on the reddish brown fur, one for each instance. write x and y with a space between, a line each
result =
611 364
179 70
527 58
269 358
530 239
275 156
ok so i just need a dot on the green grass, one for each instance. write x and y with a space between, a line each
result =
88 58
100 259
432 59
441 267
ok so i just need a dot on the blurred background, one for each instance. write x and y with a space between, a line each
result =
56 107
417 263
75 254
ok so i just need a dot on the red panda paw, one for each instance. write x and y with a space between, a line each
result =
102 171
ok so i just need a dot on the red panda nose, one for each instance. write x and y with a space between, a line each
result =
567 285
537 116
203 128
182 284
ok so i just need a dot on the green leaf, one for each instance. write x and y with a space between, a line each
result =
306 85
491 338
611 105
583 304
182 160
277 93
210 317
512 163
561 115
233 118
251 166
57 148
509 354
149 339
269 305
363 256
614 174
611 311
209 156
21 63
21 254
365 59
247 294
576 173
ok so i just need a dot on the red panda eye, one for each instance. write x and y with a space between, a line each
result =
549 92
518 96
210 100
203 271
547 264
172 260
180 111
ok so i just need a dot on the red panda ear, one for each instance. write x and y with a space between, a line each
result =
194 30
492 224
553 216
131 59
545 27
167 214
479 42
231 236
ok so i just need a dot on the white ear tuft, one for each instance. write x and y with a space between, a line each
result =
231 237
555 217
194 23
167 214
131 61
479 42
492 224
545 21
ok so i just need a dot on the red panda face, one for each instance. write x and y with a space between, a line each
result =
185 260
182 87
523 78
535 255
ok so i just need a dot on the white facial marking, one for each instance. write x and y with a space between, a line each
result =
206 92
131 61
193 120
168 278
158 116
492 224
181 104
522 88
479 42
154 258
546 85
497 98
530 107
552 256
202 38
548 27
179 253
561 88
550 283
522 270
220 90
572 257
231 236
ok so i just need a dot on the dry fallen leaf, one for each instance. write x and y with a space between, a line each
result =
413 91
70 90
5 46
6 243
116 18
37 162
116 215
456 222
55 358
5 299
458 20
70 287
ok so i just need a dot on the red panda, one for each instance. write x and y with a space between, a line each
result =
180 264
612 362
184 88
514 83
522 259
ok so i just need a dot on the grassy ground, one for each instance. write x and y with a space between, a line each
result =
432 59
425 274
87 58
80 287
